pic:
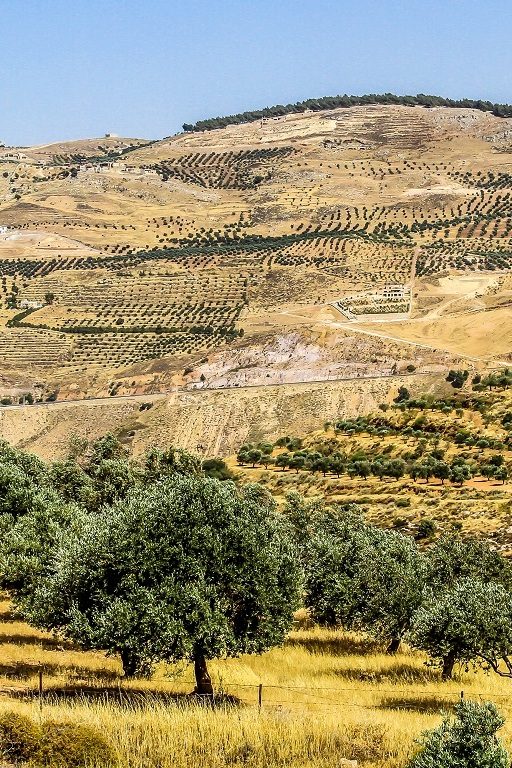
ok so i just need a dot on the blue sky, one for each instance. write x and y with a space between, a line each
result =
80 68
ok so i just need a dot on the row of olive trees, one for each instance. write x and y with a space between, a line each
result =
154 561
454 601
364 464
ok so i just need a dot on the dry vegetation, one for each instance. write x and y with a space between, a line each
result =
326 696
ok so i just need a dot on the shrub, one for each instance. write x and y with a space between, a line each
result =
59 745
19 737
426 529
467 741
217 468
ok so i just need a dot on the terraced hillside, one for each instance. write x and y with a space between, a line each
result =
426 464
384 221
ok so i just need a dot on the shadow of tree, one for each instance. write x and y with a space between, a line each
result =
126 697
9 615
398 672
337 646
20 670
46 643
424 704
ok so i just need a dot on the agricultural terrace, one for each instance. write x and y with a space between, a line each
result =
160 248
424 466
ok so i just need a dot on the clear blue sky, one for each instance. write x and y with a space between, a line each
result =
79 68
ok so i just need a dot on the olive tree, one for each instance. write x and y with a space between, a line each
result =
27 543
470 623
360 577
189 568
453 557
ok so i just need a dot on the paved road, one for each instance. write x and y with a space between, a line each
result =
200 388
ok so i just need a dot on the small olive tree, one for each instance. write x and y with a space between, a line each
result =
468 740
470 623
189 568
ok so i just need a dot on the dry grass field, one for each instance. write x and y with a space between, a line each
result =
325 696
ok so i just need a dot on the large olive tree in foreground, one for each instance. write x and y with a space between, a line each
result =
190 568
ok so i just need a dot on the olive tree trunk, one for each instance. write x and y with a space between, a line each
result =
129 662
448 665
394 645
204 685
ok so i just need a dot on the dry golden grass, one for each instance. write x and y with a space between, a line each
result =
326 696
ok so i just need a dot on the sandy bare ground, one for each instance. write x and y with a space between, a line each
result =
212 422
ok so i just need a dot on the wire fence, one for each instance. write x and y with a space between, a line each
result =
261 695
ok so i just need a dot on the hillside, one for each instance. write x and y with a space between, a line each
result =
422 464
346 242
345 441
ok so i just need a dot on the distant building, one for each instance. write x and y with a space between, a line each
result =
395 291
13 156
111 136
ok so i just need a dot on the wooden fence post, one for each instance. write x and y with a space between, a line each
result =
40 689
260 696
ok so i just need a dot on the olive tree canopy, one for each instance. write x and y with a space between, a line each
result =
189 568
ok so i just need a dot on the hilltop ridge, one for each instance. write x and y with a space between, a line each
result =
346 101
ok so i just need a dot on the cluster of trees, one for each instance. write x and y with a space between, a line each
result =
453 601
500 380
155 560
495 380
335 102
360 463
457 378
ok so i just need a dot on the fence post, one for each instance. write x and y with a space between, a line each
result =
40 689
462 695
260 696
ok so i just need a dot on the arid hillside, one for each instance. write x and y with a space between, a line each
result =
207 422
344 243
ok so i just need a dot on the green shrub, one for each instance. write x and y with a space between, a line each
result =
52 744
468 741
426 528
